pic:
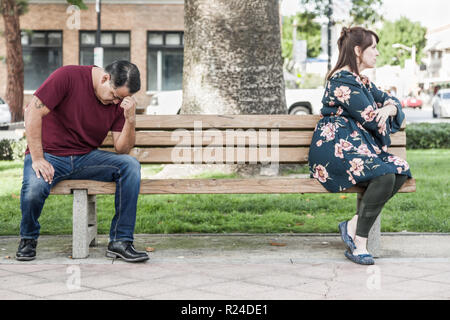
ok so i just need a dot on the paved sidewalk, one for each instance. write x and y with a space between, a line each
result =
227 267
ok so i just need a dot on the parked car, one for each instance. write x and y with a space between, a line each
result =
298 101
165 102
441 104
411 102
304 101
5 114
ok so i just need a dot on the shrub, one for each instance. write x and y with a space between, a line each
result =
427 135
5 149
13 150
19 147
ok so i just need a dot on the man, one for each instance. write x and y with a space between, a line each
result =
66 121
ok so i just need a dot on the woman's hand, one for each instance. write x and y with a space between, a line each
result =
383 113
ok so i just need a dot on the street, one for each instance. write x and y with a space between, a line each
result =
422 115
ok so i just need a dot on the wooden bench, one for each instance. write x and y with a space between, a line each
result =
267 139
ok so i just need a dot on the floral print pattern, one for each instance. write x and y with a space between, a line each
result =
320 173
342 94
348 145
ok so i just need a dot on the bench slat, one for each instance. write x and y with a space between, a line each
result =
216 186
267 121
219 155
185 121
219 138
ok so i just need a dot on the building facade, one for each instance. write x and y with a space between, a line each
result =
148 33
437 58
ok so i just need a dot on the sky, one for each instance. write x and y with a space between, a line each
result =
430 13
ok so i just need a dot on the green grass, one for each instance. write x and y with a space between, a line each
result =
427 210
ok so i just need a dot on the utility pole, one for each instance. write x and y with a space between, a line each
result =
98 50
330 26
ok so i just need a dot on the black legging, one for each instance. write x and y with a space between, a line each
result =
379 190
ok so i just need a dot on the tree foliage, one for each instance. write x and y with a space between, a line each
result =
402 31
362 12
22 7
11 11
79 3
307 30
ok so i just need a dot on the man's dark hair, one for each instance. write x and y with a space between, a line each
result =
124 73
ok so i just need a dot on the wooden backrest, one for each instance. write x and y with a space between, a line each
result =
229 139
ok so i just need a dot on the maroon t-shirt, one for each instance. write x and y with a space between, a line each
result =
78 122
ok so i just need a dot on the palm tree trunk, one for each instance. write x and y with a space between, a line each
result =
232 58
14 60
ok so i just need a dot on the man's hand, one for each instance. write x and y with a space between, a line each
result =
129 106
34 112
44 168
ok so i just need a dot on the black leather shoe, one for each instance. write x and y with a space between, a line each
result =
27 250
126 251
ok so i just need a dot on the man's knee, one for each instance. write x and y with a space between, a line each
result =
35 189
131 164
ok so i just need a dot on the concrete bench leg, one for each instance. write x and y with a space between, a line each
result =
92 220
374 240
84 223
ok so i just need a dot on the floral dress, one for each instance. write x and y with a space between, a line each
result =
348 147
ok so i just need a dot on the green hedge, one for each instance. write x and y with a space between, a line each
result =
13 150
427 135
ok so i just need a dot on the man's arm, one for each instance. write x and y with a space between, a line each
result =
125 140
34 112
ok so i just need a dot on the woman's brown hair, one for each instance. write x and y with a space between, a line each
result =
349 39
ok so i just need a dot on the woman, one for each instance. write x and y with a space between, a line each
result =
350 142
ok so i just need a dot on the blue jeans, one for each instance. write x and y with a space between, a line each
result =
95 165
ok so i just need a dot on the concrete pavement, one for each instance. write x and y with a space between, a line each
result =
229 267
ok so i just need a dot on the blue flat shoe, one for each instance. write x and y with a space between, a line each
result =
365 259
345 237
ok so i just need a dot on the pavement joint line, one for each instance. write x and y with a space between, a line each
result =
190 287
333 278
25 294
284 286
142 296
91 289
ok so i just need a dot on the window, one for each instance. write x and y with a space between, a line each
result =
42 54
165 61
116 46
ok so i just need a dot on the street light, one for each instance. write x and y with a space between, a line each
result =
98 50
412 50
412 80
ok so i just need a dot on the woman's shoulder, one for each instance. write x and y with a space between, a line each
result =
349 78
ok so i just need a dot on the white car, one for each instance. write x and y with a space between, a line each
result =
304 101
441 104
165 102
5 114
298 101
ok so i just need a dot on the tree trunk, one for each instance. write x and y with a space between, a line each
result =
232 58
14 60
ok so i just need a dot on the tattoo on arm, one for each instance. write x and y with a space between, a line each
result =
39 105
